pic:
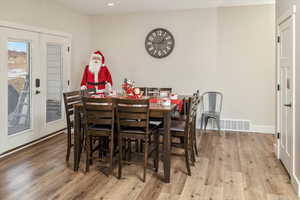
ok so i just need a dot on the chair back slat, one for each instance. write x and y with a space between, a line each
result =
132 113
191 113
98 111
70 99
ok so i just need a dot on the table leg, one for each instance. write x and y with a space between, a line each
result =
76 138
167 146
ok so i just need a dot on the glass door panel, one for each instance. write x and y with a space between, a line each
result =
55 62
54 83
19 66
19 96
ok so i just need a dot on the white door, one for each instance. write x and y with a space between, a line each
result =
55 75
286 70
34 73
19 62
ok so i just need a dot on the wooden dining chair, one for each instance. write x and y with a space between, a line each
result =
133 124
143 90
99 120
151 91
70 98
165 90
182 130
197 100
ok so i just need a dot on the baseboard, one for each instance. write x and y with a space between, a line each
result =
31 143
295 184
254 129
263 129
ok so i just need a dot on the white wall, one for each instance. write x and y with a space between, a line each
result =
53 16
225 49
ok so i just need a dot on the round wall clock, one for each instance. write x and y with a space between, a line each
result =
159 43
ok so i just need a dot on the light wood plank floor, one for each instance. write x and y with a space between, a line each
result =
234 166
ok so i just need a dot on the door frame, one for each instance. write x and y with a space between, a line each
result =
32 29
289 14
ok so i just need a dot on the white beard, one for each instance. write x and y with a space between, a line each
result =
95 68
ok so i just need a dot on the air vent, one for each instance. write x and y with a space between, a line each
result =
233 125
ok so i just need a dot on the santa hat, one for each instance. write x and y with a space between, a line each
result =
99 55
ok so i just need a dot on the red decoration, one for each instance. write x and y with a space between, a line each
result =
104 75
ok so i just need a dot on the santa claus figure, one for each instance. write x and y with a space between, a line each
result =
96 74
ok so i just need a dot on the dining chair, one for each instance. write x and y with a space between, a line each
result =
70 98
164 91
182 130
99 120
197 100
152 92
143 90
133 124
211 107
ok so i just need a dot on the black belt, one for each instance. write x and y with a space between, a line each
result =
97 83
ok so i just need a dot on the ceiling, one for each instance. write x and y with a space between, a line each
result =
98 7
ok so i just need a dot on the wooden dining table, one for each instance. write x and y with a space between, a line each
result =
156 111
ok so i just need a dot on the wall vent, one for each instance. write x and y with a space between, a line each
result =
233 125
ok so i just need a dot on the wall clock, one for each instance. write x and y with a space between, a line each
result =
159 43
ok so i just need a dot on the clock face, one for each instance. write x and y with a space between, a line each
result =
159 43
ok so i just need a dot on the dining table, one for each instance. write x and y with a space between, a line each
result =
157 111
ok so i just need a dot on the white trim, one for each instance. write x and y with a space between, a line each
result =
295 183
287 14
263 129
7 24
31 144
254 129
290 13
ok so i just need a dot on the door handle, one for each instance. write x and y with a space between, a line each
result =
37 92
288 105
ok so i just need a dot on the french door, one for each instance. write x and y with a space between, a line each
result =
286 72
55 76
33 75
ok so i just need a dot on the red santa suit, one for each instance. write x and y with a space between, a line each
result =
93 77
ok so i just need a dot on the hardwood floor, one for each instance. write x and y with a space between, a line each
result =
230 167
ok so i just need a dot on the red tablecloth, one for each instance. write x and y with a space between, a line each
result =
178 102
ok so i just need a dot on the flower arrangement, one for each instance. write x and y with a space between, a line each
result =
130 90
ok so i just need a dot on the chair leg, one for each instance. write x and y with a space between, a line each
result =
120 157
69 145
202 122
136 145
186 152
156 157
219 124
145 158
205 123
87 163
195 138
111 145
141 146
91 150
129 150
191 147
